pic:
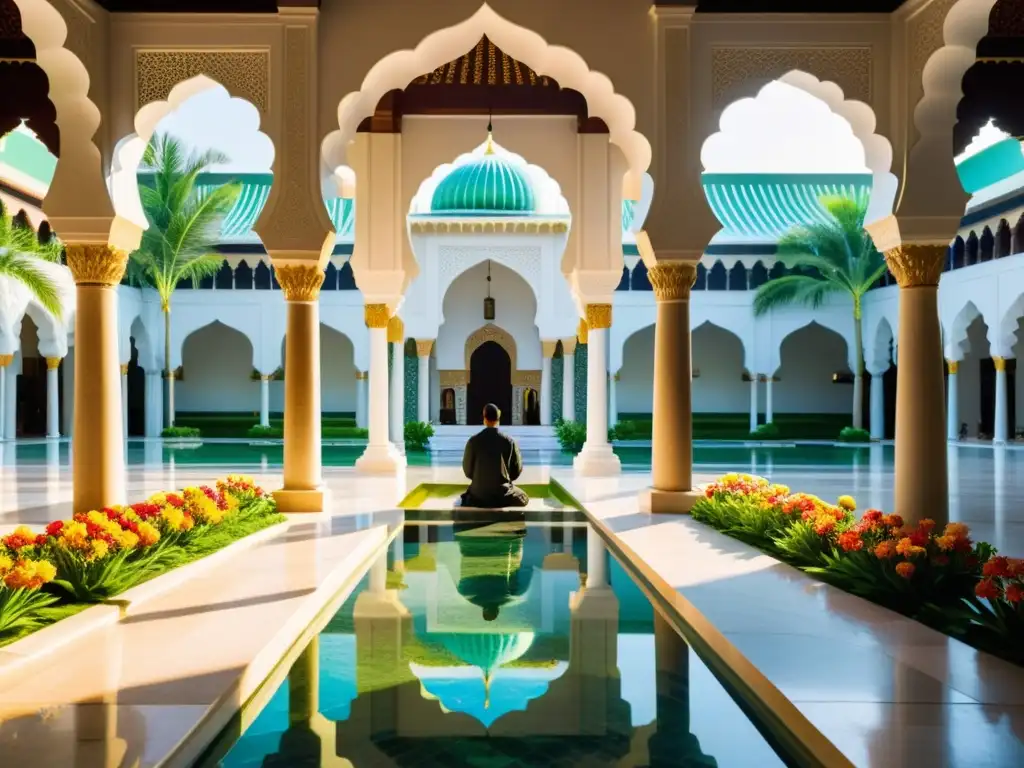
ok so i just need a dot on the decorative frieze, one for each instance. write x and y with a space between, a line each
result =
493 333
529 379
521 226
453 378
245 73
733 67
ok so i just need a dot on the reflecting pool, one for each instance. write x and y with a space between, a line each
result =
498 643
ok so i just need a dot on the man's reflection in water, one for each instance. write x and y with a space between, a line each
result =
491 573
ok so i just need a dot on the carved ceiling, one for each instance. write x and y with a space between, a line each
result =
484 80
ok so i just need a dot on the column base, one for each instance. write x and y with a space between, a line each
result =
597 461
306 501
668 502
381 460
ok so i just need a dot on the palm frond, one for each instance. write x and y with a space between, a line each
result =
793 289
20 267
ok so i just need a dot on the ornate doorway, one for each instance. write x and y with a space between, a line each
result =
490 381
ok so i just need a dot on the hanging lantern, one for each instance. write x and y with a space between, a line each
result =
488 302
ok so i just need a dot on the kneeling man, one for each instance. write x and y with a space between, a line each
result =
492 462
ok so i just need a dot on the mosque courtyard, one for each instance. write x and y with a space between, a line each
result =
744 280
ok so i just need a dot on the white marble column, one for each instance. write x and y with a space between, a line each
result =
10 404
769 413
569 379
753 402
154 403
5 363
597 457
953 401
380 456
264 400
877 405
1001 418
124 399
396 338
546 395
361 404
613 399
53 397
423 349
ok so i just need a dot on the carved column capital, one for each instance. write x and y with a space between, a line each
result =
999 363
953 366
6 360
582 331
96 264
300 282
672 280
53 363
362 375
547 348
599 316
124 366
569 346
423 348
396 330
376 315
916 266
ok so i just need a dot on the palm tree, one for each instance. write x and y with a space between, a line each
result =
835 256
21 252
184 226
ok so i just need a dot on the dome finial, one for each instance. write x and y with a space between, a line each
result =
489 149
487 690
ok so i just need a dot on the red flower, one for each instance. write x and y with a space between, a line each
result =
175 501
55 528
919 537
1014 593
997 566
41 539
986 588
145 510
112 514
17 541
872 516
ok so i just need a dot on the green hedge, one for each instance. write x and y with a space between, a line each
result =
736 426
335 425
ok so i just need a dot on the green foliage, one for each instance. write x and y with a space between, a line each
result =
92 581
854 435
800 543
571 435
417 435
174 432
769 431
260 431
21 255
184 225
623 430
19 608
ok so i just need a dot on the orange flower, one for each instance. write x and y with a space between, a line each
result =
987 589
885 549
908 548
30 574
824 526
926 525
956 530
1013 593
945 543
850 541
892 521
904 569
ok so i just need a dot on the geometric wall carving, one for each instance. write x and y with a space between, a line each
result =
735 68
245 74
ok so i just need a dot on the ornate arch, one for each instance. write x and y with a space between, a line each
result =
567 67
498 335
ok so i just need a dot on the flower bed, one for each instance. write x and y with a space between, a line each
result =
97 555
941 578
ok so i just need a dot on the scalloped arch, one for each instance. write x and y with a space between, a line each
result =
124 186
398 69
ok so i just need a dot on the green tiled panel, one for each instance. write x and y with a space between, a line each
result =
412 379
557 367
581 383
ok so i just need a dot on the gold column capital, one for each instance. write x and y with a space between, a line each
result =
53 363
672 280
96 264
999 363
617 377
599 316
916 266
266 376
396 330
582 331
953 366
376 315
362 375
6 360
124 366
424 347
300 282
547 348
569 346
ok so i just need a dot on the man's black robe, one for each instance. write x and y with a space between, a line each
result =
492 462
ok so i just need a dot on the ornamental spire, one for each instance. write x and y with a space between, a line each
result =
489 150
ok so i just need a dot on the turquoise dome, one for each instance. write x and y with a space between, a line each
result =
993 164
489 185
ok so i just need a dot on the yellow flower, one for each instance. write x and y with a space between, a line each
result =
127 540
174 517
847 502
75 536
30 574
5 564
100 549
148 535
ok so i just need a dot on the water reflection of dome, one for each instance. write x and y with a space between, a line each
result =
490 572
488 651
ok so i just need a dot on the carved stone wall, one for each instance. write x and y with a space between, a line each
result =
460 404
924 37
491 332
517 405
739 71
453 260
245 73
